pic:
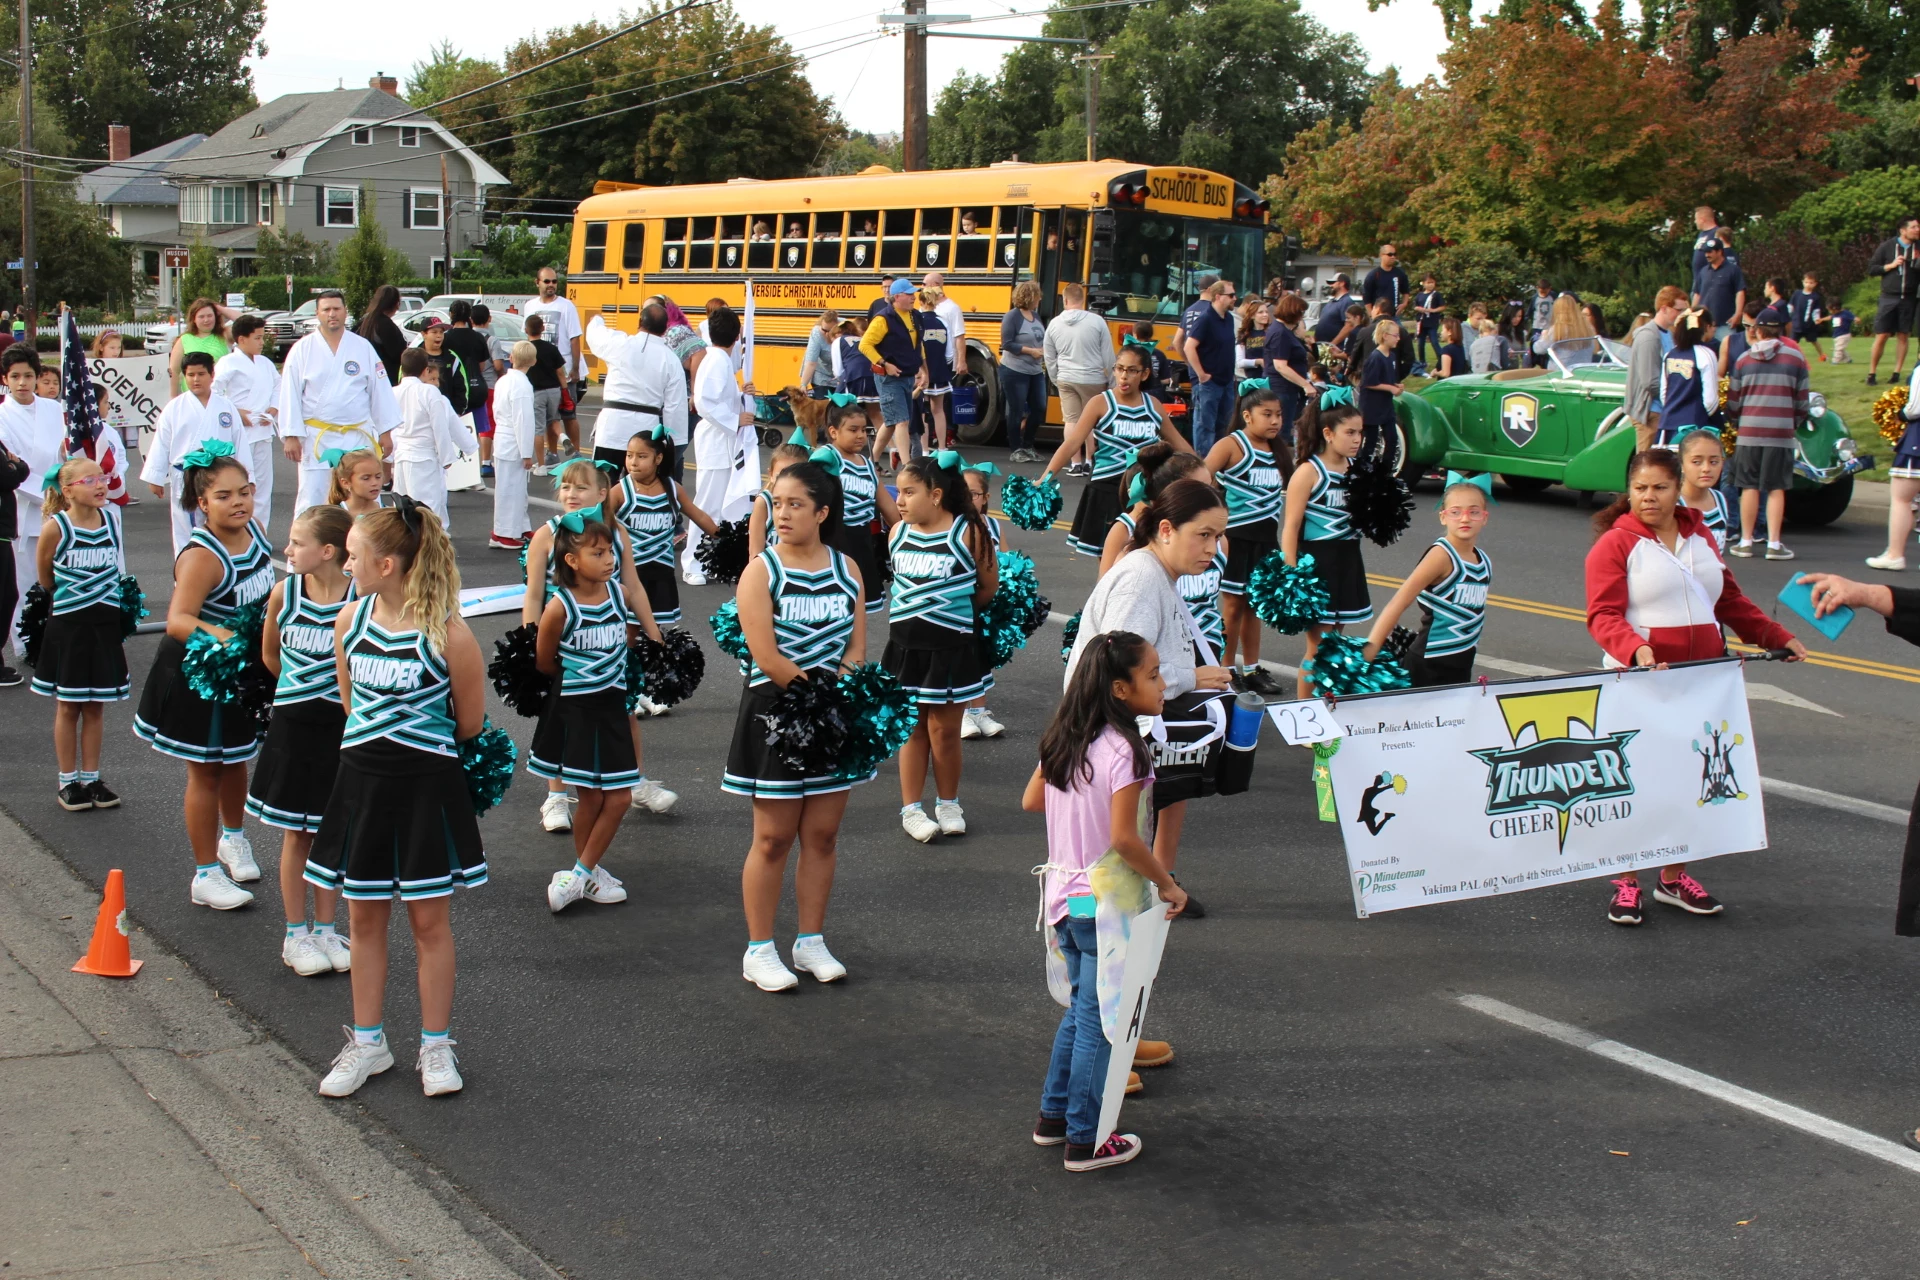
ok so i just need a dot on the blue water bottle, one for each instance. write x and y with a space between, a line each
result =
1243 734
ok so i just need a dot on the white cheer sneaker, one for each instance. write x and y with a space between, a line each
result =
603 888
215 889
556 812
810 955
236 855
353 1065
302 954
653 797
953 822
439 1069
761 966
337 950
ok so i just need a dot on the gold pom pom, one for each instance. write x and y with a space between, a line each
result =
1730 428
1889 415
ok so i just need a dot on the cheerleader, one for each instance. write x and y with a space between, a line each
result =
799 610
936 349
294 778
977 721
1451 583
760 531
1702 459
944 569
649 504
1119 422
358 481
1689 379
851 368
1251 468
1314 520
80 556
860 533
226 566
400 820
584 485
584 736
1903 483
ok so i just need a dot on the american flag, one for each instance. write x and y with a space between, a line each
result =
84 427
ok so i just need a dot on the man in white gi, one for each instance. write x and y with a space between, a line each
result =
189 421
430 435
513 445
248 378
644 385
563 331
334 394
34 430
726 453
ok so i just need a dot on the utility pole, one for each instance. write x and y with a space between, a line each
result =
1092 61
913 138
446 229
26 171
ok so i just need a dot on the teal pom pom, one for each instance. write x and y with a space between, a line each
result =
213 667
525 543
1287 598
636 678
882 715
725 622
1339 669
487 759
133 605
1016 610
1071 634
1029 505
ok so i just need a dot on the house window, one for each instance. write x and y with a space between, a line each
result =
266 204
425 205
409 135
342 207
363 137
200 204
195 204
436 268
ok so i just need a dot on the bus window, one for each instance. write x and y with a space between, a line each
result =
972 250
1073 244
1013 242
633 243
896 242
700 251
760 241
863 249
936 240
673 249
793 241
733 235
593 254
1147 261
827 229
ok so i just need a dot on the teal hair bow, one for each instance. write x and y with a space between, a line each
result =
577 521
209 452
608 467
1137 491
827 458
332 456
798 437
1145 344
984 468
1130 457
52 481
842 398
948 460
1334 397
1254 384
1481 480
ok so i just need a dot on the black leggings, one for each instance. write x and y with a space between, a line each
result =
9 593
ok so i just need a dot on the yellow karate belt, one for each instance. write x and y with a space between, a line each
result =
373 441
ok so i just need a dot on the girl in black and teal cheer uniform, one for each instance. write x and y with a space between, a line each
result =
801 615
1120 422
977 721
294 779
944 568
400 821
1315 522
1251 467
860 533
226 566
83 666
648 503
760 531
583 737
1157 467
1451 584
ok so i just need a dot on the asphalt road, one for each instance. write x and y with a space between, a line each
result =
633 1108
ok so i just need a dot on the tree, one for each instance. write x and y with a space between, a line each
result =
516 249
860 151
292 253
364 261
204 276
1348 188
163 68
445 73
1860 205
1489 273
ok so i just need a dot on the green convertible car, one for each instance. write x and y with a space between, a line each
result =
1566 425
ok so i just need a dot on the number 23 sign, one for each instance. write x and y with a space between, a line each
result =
1305 723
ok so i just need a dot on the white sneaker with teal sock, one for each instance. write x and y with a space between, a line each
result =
213 888
365 1055
336 949
952 820
235 852
302 954
567 887
439 1069
810 955
915 822
761 966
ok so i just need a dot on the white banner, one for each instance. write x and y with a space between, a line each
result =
137 389
1146 941
1464 792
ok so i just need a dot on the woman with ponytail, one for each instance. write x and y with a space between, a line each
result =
80 556
1314 519
400 821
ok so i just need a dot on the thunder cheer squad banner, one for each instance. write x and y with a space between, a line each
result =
1464 792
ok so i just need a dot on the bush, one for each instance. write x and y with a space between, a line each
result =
1859 206
1489 273
1793 251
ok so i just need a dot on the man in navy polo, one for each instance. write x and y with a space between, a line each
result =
1209 350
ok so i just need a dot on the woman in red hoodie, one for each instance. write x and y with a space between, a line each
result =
1658 592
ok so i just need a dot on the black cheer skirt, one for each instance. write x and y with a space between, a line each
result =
1337 563
1099 507
663 592
1453 668
175 721
399 822
586 740
294 778
756 772
1187 765
1246 548
936 665
82 658
865 545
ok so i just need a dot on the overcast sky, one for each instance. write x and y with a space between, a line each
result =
306 51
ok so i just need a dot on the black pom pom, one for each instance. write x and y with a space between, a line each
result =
807 727
1379 504
673 667
723 553
515 677
33 622
1400 643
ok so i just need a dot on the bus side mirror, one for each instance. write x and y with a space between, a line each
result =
1100 263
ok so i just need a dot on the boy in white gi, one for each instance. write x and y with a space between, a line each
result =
429 436
248 378
513 442
188 422
35 431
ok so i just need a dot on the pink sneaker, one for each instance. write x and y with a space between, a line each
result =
1625 908
1687 894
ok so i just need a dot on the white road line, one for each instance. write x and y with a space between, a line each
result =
1793 1117
1833 800
1515 668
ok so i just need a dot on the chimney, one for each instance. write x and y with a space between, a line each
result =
384 83
119 142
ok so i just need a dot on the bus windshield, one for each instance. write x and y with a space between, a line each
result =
1159 262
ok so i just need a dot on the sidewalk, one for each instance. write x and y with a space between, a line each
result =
152 1131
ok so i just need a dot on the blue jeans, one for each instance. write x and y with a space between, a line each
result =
896 398
1024 401
1077 1074
1212 405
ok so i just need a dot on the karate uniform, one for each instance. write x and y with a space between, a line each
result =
36 434
430 436
726 455
513 438
253 384
333 399
180 429
641 370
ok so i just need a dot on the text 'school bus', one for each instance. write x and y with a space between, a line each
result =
1141 239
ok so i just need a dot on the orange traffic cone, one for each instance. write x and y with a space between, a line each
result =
109 956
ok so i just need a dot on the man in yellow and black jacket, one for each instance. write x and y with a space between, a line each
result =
893 343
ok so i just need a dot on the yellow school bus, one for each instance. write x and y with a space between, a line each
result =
1140 238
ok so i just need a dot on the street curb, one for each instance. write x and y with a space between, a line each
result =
357 1202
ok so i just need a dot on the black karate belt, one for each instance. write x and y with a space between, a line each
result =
653 409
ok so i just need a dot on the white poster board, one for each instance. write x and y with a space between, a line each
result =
1465 792
137 389
479 602
1146 941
